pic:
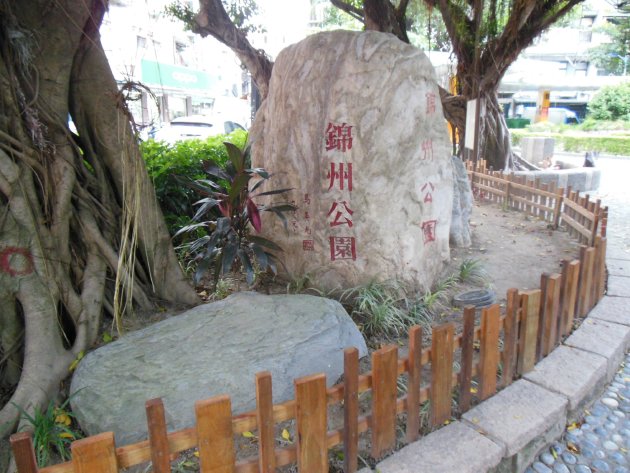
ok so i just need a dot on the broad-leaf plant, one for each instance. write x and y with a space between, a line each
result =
229 213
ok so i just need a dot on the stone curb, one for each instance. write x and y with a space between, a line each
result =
530 414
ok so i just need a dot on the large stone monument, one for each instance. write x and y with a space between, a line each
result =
353 123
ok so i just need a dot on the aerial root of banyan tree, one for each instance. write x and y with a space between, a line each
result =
81 233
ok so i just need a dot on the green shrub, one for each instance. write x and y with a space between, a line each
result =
606 144
185 159
611 144
611 103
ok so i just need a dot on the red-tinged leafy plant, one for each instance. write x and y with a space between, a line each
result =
228 212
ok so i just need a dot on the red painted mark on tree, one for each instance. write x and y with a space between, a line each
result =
342 212
340 174
16 261
428 231
308 245
342 248
338 137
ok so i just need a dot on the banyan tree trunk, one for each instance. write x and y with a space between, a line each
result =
81 233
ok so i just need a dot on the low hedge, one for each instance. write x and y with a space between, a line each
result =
184 159
612 144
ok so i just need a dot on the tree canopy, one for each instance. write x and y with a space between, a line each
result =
612 56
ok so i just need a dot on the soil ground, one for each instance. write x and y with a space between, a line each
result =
514 249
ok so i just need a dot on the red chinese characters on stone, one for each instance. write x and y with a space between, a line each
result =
308 245
338 137
342 248
340 173
427 150
307 199
342 214
428 188
430 96
428 231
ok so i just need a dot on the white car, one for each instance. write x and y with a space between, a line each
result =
194 127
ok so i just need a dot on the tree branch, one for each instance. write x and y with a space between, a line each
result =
354 12
524 25
213 20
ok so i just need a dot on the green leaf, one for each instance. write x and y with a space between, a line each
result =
237 157
257 185
223 226
261 256
238 185
207 205
247 265
280 208
214 170
198 243
260 171
277 191
264 242
229 253
189 228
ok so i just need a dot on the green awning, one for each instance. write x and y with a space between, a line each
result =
167 75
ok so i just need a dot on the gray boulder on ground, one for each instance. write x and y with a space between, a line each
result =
462 206
210 350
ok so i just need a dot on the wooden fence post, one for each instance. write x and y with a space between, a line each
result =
585 289
158 440
24 453
599 269
557 210
264 419
510 334
350 409
530 305
596 215
413 384
466 363
570 294
95 454
551 305
441 372
214 435
384 395
489 348
311 419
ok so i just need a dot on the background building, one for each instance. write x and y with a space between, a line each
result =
185 74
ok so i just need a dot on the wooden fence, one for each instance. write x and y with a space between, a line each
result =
533 323
583 218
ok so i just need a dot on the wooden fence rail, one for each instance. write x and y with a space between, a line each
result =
583 218
534 322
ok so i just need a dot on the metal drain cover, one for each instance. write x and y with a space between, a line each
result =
478 298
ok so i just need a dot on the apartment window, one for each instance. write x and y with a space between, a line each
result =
180 53
585 36
581 68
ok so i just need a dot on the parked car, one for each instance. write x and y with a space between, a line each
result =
195 127
557 115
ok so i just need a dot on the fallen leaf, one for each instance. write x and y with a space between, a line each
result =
248 435
573 448
286 435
